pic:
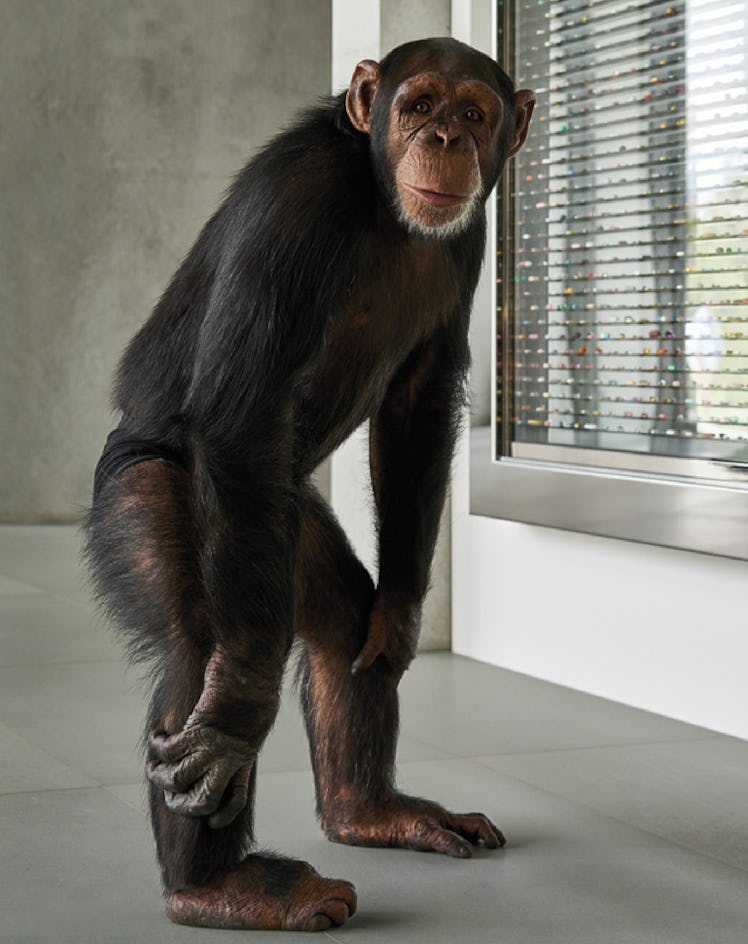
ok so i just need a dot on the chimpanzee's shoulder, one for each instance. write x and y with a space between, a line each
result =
319 151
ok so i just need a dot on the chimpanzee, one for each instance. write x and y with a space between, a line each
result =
333 286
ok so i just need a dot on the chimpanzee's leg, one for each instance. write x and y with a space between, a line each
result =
144 555
352 720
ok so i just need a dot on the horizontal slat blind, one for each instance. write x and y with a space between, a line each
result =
629 292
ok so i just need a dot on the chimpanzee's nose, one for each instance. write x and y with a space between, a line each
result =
446 133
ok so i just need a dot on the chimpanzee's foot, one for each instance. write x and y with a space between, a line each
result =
412 823
265 893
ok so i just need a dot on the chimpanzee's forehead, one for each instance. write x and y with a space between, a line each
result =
453 61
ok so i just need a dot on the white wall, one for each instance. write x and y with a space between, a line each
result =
656 628
651 627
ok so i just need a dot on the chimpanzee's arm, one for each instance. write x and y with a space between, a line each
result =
244 522
265 318
411 445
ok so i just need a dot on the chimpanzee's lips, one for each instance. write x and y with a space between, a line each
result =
436 198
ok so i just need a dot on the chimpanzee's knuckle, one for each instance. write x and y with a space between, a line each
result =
203 804
175 802
233 762
423 829
162 779
208 740
161 776
178 782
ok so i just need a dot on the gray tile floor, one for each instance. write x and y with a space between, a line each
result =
623 826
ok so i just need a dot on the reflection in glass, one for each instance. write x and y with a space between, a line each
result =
623 278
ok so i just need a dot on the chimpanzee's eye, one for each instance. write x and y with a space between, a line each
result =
474 114
422 106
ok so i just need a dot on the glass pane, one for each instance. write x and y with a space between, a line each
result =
625 281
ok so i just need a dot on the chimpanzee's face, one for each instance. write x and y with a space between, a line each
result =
440 133
443 144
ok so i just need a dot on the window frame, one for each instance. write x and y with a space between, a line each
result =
685 510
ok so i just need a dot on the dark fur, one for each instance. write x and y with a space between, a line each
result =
251 370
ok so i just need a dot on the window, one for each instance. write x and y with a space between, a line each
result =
622 270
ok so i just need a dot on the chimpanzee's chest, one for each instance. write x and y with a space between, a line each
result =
401 302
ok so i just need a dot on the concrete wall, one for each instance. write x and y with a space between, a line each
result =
123 122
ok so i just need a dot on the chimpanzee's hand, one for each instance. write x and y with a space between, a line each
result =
393 633
202 771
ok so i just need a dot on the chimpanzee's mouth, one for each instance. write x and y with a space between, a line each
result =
437 198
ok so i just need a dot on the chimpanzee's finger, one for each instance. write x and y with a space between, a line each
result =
477 828
180 776
238 791
366 657
203 799
169 748
430 836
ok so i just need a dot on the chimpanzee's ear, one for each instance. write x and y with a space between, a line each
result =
524 104
361 93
